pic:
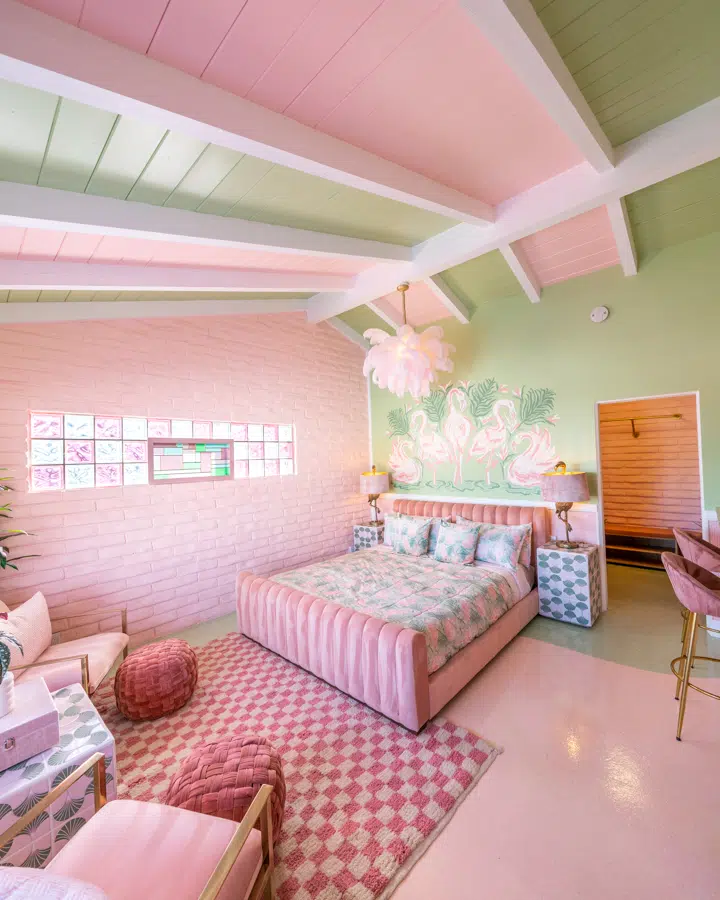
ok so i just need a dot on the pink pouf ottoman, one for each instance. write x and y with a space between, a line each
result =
156 680
222 779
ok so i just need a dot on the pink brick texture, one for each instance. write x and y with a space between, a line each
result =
170 552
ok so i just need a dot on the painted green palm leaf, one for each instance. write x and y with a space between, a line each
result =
536 404
435 406
481 397
398 421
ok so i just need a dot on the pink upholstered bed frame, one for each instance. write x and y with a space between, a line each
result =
381 664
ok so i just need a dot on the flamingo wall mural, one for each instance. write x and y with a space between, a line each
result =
474 436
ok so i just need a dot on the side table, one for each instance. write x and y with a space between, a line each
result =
369 534
569 583
82 733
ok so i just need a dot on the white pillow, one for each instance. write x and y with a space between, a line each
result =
36 884
30 624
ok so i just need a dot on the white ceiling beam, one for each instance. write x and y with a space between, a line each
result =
622 232
667 150
42 52
77 311
348 332
29 206
449 299
516 258
73 276
515 30
394 321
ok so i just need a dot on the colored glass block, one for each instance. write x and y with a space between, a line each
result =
134 451
257 450
270 432
108 428
285 432
108 475
287 466
202 429
221 429
241 468
79 477
242 450
108 451
256 468
134 429
158 428
255 432
238 432
46 453
79 452
272 466
46 425
77 427
285 451
46 478
271 450
181 428
135 473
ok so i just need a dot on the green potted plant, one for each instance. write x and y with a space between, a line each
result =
7 561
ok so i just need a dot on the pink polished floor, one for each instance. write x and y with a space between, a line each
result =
593 796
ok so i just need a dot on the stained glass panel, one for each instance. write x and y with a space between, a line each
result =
285 451
46 478
46 425
202 429
108 451
108 475
79 452
79 427
79 477
272 467
44 453
135 451
238 432
257 450
135 473
270 432
134 429
191 460
158 428
108 428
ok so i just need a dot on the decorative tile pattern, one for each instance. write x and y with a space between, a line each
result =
82 733
368 535
569 583
63 448
192 460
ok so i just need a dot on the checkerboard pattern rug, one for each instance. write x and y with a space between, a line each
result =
365 797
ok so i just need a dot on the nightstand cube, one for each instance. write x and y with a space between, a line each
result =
569 583
368 535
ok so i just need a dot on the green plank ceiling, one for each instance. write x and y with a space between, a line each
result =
639 63
361 318
59 143
89 296
483 280
684 207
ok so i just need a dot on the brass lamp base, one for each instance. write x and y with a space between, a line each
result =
561 511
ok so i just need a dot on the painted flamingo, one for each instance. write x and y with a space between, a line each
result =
527 467
456 429
432 448
405 467
491 441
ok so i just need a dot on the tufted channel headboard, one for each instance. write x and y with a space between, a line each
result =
537 516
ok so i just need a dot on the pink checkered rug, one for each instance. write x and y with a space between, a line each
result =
365 797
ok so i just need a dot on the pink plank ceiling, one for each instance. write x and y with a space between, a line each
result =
422 305
413 81
41 244
574 247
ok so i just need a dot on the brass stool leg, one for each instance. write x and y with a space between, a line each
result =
690 639
684 656
685 625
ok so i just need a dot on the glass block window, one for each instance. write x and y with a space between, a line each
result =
70 451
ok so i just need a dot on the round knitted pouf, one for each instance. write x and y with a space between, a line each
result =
221 779
156 680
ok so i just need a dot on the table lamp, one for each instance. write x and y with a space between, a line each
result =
373 484
564 488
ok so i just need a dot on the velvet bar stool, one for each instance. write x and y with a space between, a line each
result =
699 592
702 554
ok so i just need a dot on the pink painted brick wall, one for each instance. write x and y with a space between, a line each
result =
170 552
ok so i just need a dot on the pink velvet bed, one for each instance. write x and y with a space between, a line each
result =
382 664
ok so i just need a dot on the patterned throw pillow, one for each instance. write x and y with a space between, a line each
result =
503 544
457 543
391 520
434 529
412 536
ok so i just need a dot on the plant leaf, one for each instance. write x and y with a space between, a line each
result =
435 406
536 404
481 397
398 421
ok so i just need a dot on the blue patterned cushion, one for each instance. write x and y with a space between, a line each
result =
391 520
434 529
412 536
502 544
456 543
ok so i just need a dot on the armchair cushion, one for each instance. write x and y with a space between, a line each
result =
30 624
132 849
102 651
36 884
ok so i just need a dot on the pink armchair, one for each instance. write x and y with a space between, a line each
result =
130 850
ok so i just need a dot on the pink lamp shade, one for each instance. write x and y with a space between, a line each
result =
565 487
374 483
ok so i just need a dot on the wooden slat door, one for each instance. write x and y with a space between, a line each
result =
652 481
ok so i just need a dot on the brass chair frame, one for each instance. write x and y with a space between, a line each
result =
83 658
259 810
682 665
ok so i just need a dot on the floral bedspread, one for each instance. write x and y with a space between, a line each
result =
450 604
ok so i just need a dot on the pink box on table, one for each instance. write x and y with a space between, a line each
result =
32 727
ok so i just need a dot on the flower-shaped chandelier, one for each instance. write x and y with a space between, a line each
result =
409 361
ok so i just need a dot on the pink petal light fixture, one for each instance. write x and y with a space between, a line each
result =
409 361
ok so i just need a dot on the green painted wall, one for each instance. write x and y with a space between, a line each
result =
663 336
